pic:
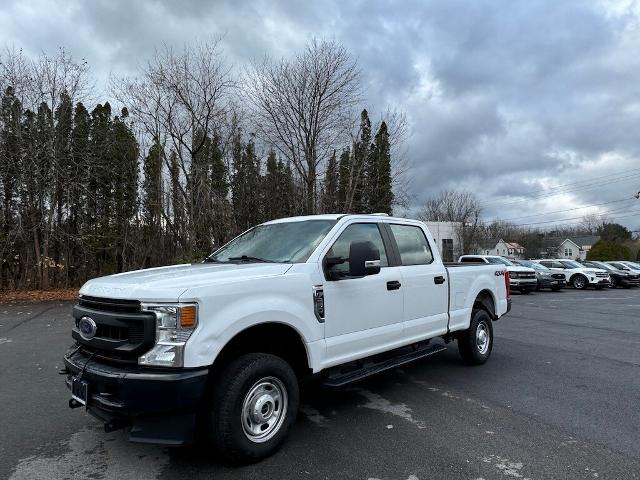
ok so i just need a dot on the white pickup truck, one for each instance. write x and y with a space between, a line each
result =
216 350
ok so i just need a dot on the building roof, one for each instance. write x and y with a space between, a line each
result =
514 245
585 241
488 244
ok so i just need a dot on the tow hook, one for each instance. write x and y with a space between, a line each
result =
115 424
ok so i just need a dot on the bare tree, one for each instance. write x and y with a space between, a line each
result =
592 222
304 106
460 207
45 78
181 100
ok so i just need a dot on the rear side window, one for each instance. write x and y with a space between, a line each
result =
471 260
412 244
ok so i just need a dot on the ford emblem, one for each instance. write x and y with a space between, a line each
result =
87 327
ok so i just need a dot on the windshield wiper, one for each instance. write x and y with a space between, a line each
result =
249 258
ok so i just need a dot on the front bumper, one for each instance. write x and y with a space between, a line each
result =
629 282
519 284
551 283
160 405
599 281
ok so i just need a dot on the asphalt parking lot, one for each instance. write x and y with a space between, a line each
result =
559 398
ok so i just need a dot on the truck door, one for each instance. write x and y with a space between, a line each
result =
426 293
363 315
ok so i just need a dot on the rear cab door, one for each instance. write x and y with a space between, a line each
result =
424 280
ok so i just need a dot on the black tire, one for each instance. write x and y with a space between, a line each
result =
225 420
525 291
555 289
468 346
579 282
614 282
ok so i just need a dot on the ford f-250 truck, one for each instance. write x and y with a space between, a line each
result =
216 350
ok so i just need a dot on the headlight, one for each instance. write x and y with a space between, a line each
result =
174 325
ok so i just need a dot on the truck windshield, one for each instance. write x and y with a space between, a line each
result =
285 242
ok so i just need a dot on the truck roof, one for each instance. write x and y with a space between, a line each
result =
338 216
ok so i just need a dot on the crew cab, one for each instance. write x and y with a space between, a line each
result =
578 276
216 350
521 278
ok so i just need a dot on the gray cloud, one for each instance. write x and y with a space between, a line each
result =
503 97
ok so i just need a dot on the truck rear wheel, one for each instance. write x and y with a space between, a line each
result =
475 343
254 405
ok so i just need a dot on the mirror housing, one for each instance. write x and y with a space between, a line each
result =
364 259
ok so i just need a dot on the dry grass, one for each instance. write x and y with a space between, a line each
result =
38 295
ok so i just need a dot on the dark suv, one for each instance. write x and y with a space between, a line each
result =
619 278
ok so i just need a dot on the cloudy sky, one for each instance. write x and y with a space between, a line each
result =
532 105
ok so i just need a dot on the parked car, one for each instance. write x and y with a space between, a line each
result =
521 278
619 277
578 276
222 345
546 278
626 266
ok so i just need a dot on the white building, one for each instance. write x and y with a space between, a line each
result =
576 248
446 237
512 250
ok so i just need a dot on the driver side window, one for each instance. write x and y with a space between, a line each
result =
357 232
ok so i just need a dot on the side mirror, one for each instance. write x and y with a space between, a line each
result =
364 259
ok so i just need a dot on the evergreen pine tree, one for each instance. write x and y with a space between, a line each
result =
378 193
271 188
344 183
331 186
10 116
356 201
152 188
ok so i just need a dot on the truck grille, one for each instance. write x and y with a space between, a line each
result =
110 304
525 275
124 331
602 274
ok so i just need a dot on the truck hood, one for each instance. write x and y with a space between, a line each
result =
169 283
519 268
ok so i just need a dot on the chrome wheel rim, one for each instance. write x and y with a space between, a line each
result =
482 338
579 282
264 409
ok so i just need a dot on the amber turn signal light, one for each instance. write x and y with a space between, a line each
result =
188 316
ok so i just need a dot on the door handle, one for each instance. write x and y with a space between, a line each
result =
438 280
393 285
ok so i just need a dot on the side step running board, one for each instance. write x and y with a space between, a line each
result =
340 379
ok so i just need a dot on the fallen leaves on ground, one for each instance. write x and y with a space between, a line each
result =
60 294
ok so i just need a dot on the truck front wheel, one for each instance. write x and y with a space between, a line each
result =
475 343
254 405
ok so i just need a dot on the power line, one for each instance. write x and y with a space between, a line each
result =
576 184
561 220
575 218
570 209
586 180
555 192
